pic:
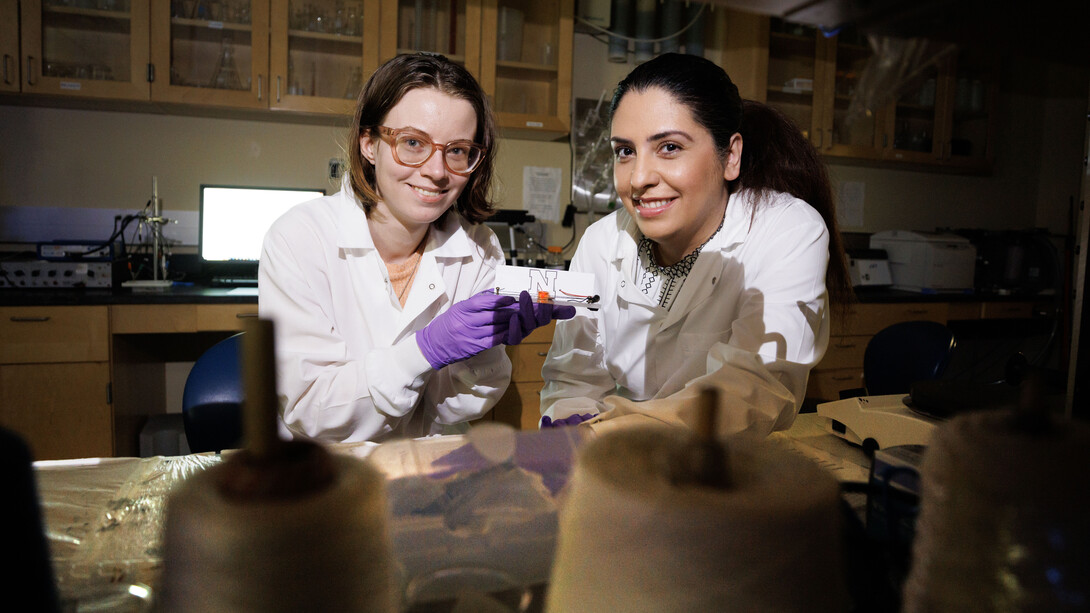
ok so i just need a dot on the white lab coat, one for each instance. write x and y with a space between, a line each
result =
348 364
751 320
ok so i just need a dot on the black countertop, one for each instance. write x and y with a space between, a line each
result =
190 294
178 294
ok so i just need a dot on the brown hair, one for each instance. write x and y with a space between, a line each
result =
386 87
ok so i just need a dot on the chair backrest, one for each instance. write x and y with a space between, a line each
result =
904 353
212 399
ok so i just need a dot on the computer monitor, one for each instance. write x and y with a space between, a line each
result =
233 223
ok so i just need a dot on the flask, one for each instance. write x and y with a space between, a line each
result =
226 73
554 257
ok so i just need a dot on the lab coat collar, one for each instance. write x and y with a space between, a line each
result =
447 239
736 224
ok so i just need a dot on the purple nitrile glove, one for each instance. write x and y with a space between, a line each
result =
465 329
531 316
571 420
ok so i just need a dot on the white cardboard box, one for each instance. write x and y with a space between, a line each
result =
928 262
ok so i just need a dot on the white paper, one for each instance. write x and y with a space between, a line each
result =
850 207
541 192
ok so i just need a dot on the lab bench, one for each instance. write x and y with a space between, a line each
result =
103 516
82 370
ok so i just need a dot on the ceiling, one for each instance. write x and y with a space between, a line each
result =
1055 30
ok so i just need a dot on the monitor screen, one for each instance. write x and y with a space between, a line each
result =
234 220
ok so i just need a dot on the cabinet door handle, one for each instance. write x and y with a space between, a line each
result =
278 89
245 315
9 61
30 319
29 69
259 85
542 354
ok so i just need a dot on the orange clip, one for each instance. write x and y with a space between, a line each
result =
543 296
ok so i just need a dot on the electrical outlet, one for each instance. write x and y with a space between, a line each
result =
336 168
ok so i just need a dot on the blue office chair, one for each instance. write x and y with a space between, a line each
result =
905 353
212 399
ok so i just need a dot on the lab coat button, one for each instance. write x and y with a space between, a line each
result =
431 286
622 283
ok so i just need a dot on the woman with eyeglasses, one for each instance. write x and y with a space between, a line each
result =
381 294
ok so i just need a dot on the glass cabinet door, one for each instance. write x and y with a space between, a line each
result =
321 53
213 52
911 125
447 27
793 52
847 131
526 60
91 48
969 139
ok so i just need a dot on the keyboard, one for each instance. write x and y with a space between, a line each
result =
234 281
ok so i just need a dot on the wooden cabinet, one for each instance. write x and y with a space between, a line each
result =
451 28
942 117
9 45
211 53
521 404
321 54
526 64
85 49
303 56
55 379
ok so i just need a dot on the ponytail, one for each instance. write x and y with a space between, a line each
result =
776 156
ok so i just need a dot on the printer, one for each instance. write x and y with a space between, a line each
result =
928 262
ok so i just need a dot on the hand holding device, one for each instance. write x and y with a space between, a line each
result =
466 329
531 316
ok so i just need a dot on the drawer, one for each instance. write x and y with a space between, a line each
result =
520 406
1006 310
527 360
30 335
867 319
827 384
224 317
544 334
153 318
844 352
172 318
72 420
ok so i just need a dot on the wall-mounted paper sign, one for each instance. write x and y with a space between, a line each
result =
548 285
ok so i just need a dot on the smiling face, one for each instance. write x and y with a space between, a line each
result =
668 172
415 197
